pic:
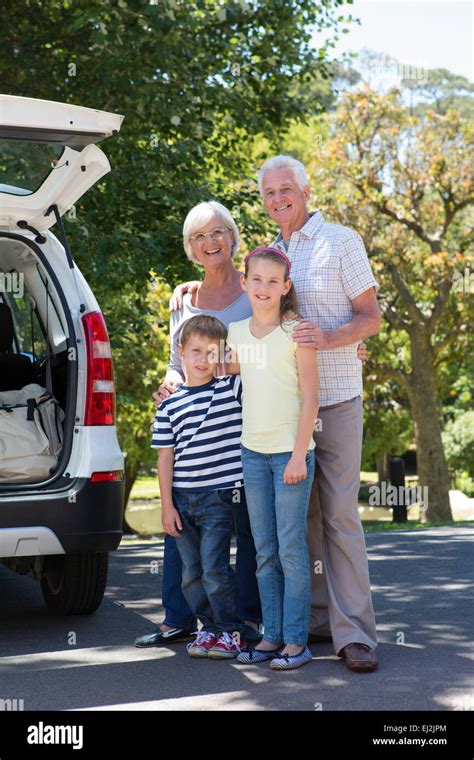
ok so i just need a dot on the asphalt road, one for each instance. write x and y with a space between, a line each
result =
422 585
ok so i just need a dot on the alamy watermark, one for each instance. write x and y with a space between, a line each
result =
383 66
42 733
247 353
463 282
11 705
465 703
383 495
12 282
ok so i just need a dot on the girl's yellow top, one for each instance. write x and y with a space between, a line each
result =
271 393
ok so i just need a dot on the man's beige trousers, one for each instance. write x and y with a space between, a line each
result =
341 602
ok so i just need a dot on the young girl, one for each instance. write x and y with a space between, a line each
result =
280 405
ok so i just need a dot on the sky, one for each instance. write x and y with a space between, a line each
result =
421 33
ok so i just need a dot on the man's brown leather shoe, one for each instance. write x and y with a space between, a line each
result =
359 657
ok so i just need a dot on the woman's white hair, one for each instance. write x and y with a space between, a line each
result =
199 216
284 162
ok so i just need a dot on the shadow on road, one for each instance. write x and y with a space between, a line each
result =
422 590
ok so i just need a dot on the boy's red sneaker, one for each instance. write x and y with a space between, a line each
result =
203 643
225 648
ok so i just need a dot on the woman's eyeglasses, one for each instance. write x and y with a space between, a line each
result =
200 237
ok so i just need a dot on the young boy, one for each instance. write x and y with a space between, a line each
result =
197 431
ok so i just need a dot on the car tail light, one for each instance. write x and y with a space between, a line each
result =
100 389
107 477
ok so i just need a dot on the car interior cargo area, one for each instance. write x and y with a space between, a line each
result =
35 366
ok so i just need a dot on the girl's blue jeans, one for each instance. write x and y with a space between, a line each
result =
278 517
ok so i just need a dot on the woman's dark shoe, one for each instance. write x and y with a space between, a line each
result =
164 638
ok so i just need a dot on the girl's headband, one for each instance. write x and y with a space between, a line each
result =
270 250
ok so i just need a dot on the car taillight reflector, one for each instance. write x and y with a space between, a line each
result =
100 390
107 477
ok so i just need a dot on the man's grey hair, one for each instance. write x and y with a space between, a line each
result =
199 216
284 162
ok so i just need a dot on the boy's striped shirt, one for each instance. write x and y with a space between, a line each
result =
203 425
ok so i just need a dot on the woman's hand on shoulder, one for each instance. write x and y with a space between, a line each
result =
362 352
176 300
166 389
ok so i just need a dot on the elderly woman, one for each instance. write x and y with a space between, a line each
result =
211 239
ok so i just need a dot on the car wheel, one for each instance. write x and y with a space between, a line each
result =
74 584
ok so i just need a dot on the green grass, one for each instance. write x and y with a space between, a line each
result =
145 487
144 511
369 477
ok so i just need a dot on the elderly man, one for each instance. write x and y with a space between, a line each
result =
336 293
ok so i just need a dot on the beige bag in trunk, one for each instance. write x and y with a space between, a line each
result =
31 434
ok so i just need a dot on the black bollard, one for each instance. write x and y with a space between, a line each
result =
397 479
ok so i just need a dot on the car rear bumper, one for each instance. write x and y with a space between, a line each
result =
85 516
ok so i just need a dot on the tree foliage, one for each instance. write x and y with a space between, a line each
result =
458 439
197 82
406 183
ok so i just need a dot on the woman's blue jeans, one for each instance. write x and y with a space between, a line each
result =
177 611
278 516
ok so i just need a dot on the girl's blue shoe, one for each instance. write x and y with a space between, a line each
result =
290 662
252 656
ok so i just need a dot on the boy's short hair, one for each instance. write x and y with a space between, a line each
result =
205 326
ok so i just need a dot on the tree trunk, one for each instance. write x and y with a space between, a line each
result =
131 473
383 464
431 462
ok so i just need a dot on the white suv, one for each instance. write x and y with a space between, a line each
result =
52 332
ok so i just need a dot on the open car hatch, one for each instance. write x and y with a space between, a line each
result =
80 165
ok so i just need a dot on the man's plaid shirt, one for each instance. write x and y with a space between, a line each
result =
329 267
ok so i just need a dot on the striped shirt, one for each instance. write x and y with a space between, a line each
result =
329 268
203 425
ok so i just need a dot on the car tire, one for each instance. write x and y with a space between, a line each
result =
74 584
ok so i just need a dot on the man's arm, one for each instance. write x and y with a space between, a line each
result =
366 321
169 516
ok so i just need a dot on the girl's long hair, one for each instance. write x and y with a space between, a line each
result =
288 303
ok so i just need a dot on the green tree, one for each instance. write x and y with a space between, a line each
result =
459 443
197 82
322 91
140 358
388 428
441 90
406 184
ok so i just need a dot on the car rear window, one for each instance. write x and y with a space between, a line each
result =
25 165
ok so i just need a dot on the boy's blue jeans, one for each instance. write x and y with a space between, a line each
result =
278 516
208 582
177 611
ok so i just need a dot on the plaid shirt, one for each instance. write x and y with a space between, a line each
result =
329 267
